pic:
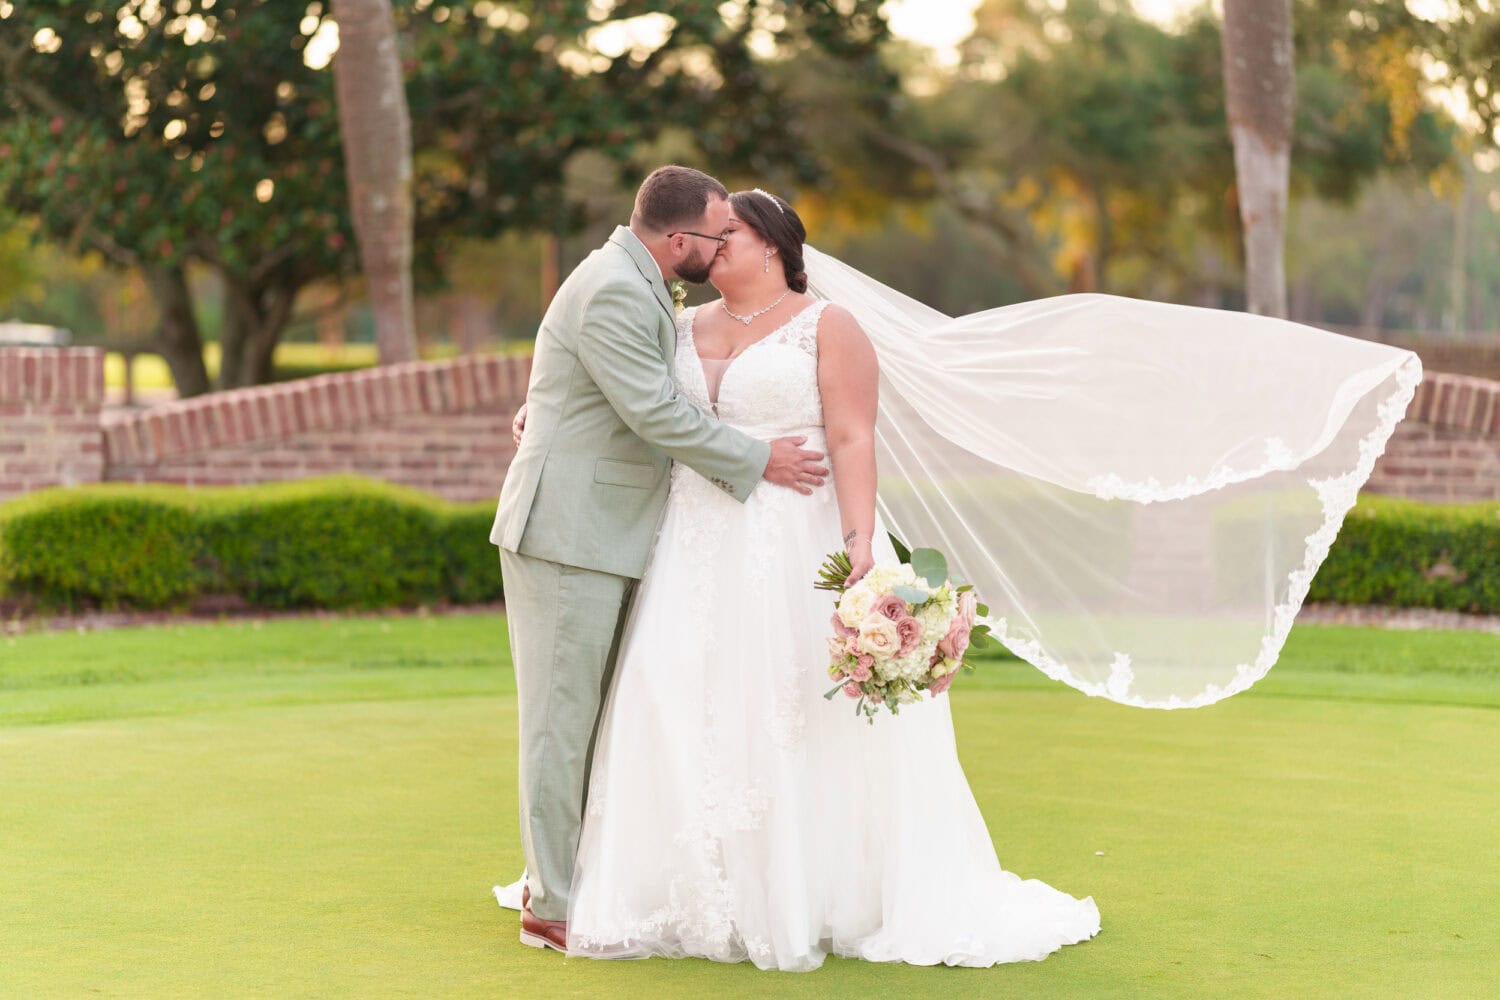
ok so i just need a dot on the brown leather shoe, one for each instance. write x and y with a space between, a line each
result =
539 933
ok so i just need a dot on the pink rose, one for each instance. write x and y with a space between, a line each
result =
957 640
909 631
942 684
968 607
890 606
852 690
851 644
861 671
840 629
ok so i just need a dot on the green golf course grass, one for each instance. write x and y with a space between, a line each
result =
318 807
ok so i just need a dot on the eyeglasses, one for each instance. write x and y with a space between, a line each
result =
721 240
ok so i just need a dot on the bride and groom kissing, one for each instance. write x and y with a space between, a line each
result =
685 789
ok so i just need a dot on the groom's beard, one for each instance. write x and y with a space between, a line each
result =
695 268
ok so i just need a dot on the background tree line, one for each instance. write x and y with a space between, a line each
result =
174 170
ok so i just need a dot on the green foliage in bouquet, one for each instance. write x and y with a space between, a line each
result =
834 573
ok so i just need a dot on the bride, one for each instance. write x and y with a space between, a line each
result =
1143 490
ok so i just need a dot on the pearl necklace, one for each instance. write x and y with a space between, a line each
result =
759 312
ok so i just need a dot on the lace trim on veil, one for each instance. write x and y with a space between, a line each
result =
1336 494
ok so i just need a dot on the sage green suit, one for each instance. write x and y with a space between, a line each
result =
578 512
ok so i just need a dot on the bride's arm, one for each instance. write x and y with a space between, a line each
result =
849 382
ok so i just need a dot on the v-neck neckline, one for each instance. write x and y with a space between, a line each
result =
730 361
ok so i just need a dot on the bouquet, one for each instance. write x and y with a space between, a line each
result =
902 629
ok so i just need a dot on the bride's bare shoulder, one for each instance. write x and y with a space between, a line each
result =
838 323
703 314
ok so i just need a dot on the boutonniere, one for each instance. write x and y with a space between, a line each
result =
679 294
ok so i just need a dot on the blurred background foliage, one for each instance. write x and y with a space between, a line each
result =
172 176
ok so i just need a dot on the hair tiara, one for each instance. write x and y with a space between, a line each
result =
774 200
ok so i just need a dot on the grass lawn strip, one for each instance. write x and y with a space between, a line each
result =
318 808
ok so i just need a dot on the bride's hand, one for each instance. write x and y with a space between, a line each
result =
860 558
518 425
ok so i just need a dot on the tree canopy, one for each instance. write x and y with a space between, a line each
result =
160 132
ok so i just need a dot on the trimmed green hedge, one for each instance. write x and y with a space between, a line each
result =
346 542
1416 555
340 542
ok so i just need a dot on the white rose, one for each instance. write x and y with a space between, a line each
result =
877 636
856 603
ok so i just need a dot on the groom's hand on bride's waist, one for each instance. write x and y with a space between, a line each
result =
795 467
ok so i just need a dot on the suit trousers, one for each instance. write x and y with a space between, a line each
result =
565 624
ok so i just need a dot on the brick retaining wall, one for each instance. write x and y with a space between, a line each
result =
444 427
49 417
1448 448
1477 354
439 426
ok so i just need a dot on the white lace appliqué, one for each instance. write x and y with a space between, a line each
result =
1336 494
1152 490
699 911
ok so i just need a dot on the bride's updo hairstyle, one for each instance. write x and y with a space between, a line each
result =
778 225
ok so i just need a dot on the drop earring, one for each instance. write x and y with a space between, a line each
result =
767 268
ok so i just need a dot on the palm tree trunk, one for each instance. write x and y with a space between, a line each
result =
1259 85
375 125
1458 272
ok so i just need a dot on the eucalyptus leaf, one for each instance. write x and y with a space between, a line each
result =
930 565
911 595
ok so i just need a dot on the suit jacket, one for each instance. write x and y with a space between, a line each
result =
604 421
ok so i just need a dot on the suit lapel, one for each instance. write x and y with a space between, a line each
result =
641 258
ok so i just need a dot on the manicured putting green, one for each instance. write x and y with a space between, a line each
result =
317 808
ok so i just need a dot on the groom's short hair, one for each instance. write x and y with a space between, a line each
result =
674 196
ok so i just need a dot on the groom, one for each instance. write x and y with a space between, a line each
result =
580 504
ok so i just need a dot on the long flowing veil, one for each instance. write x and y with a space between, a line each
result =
1142 492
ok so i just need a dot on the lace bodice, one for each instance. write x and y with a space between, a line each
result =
771 388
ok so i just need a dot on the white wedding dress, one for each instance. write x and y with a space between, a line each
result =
735 814
1141 491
